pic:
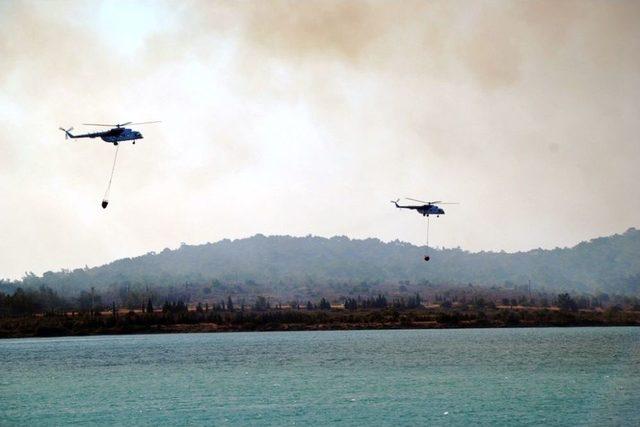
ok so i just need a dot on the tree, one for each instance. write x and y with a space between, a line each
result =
324 304
149 306
88 301
261 303
230 304
181 307
566 303
350 304
380 302
414 301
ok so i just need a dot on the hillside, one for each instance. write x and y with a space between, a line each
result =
609 264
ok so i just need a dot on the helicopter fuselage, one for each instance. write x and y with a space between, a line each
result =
430 210
425 210
120 134
112 136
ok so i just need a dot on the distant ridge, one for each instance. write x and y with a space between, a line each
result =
609 264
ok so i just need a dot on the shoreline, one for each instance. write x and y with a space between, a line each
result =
292 320
180 330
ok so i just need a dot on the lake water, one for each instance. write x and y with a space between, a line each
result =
538 376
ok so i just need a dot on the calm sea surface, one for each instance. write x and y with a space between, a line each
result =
574 376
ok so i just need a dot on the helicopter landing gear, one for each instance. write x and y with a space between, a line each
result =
134 142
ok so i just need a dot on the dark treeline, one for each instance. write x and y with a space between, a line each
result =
42 312
38 301
178 317
44 300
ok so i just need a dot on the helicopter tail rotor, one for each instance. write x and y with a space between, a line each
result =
66 132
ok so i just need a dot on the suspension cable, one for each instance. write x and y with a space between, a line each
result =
113 168
427 231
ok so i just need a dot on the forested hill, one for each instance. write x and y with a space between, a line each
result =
609 264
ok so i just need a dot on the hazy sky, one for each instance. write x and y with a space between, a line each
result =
307 117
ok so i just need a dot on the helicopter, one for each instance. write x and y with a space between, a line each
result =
117 134
429 208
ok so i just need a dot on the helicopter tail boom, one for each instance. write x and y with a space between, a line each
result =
395 202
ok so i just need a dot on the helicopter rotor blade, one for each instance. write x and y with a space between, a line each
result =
416 200
143 123
433 202
117 125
